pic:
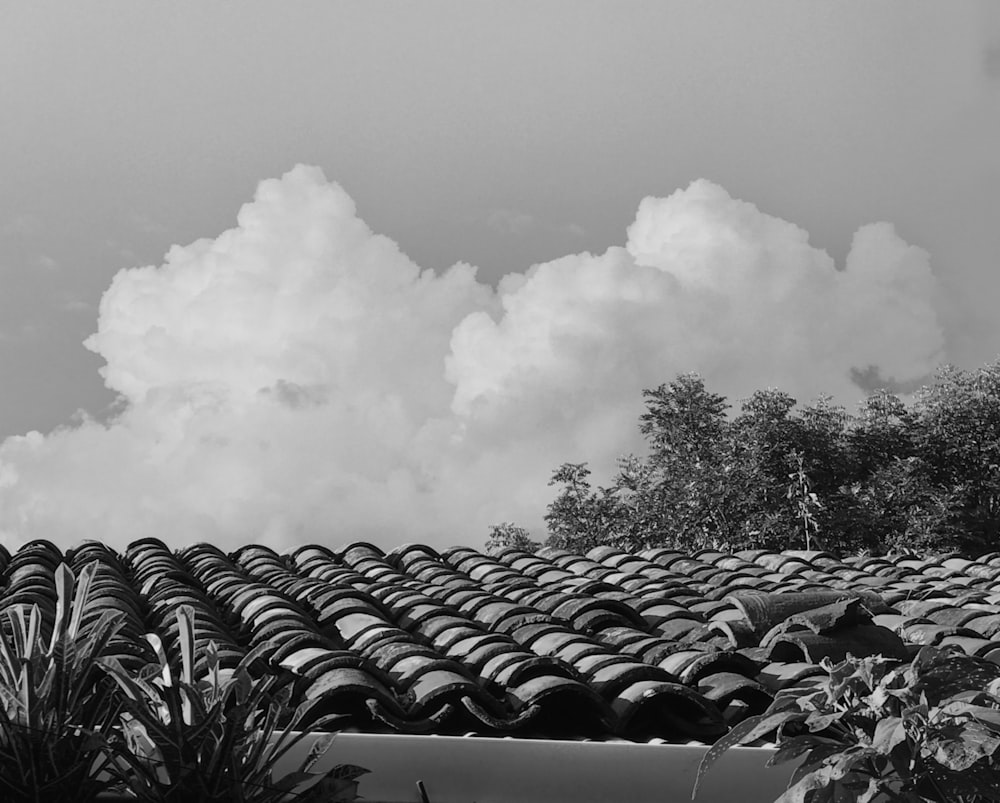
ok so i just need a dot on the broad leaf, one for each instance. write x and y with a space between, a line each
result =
834 768
317 750
796 746
747 731
889 732
818 721
990 717
959 748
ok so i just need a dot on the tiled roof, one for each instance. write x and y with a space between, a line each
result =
657 645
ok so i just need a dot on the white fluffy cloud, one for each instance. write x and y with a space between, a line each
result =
299 378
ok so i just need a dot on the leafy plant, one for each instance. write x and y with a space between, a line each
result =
55 708
509 535
804 500
215 738
340 784
873 729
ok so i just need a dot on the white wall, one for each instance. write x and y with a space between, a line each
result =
483 770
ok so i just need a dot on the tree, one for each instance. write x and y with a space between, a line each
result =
831 472
762 440
893 476
958 440
910 511
509 536
882 432
683 422
580 518
898 504
684 494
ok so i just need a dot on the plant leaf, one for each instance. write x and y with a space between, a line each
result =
185 640
64 593
888 733
83 583
746 731
818 721
796 746
31 639
959 748
834 768
990 717
317 750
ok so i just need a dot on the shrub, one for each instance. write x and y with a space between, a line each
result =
216 738
55 708
873 729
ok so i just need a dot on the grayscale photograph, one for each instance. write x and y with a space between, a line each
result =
499 401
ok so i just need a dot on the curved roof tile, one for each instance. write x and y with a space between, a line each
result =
657 644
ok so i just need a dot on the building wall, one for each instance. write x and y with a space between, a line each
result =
485 770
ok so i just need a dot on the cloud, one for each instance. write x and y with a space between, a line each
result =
300 378
705 283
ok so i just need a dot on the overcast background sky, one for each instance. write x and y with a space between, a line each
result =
496 135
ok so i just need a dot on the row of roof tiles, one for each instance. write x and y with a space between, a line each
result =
657 644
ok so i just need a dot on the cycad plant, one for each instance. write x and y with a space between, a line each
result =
56 707
215 738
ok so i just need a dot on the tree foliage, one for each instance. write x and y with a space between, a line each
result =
923 474
509 536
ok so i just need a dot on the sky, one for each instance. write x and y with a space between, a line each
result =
325 271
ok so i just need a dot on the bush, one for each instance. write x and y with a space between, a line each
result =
74 722
216 738
56 710
875 729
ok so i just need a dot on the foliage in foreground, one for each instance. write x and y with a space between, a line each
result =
55 708
924 475
74 721
926 731
216 738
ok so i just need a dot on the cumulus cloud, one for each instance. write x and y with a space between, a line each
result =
300 378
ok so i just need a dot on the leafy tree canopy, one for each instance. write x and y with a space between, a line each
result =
509 536
923 474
